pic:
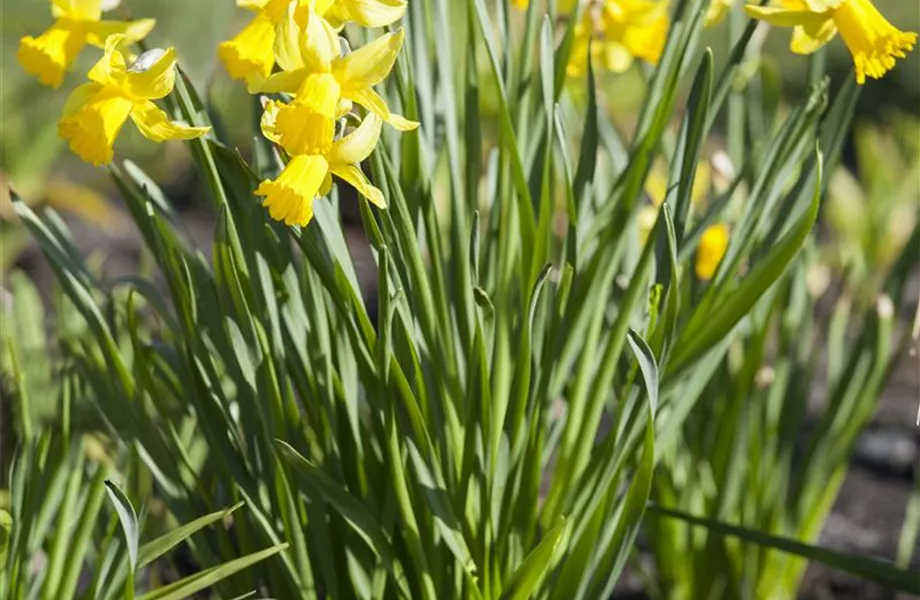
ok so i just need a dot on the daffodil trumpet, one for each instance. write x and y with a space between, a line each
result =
872 40
314 159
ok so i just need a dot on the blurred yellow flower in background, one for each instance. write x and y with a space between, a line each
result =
289 197
96 111
711 250
622 30
656 188
657 184
78 22
872 40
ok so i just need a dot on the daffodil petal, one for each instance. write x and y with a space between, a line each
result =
111 67
807 39
319 43
155 81
614 56
353 175
820 6
289 197
645 219
645 39
79 97
781 17
78 10
711 250
357 145
133 31
251 51
253 5
287 43
367 13
269 120
91 129
369 65
52 53
717 11
155 125
372 101
287 82
326 186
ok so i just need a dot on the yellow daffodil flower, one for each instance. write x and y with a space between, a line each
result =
312 48
316 156
78 22
366 13
623 30
709 253
96 111
251 52
872 40
717 11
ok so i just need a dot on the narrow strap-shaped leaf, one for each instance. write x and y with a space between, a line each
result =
187 587
160 546
706 328
128 519
882 572
533 570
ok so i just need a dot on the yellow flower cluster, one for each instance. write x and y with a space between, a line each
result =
621 31
117 91
299 41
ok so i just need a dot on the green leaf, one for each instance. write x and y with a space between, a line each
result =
128 519
882 572
647 365
312 481
158 547
185 588
708 327
529 575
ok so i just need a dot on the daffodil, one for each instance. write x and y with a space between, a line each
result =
711 250
251 52
623 30
872 40
316 158
96 111
77 23
366 13
310 47
716 12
